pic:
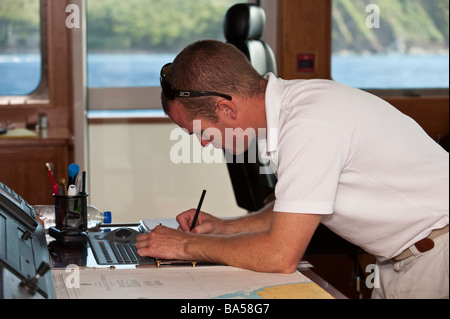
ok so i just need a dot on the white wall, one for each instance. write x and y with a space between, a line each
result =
132 175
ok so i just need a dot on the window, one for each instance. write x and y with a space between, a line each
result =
20 43
391 44
129 41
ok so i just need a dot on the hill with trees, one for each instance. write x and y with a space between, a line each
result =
167 25
406 26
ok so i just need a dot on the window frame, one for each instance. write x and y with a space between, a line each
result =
40 96
409 92
54 95
125 98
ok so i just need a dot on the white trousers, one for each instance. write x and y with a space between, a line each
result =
422 276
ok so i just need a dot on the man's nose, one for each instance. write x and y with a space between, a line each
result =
203 142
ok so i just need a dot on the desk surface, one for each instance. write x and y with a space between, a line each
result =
81 255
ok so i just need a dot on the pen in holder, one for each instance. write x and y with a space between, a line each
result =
71 213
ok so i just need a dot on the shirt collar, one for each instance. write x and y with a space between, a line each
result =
273 107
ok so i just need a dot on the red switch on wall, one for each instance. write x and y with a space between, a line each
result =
306 62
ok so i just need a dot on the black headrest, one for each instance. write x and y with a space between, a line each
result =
244 21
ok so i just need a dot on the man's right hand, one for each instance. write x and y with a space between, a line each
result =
206 223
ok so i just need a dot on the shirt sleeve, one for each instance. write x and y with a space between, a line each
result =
311 156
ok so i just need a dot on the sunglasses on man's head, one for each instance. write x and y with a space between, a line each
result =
171 93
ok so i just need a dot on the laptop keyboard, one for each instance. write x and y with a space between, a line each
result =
108 252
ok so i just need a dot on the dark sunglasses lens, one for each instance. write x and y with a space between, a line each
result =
165 70
165 85
167 89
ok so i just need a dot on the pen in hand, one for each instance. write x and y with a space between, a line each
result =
194 221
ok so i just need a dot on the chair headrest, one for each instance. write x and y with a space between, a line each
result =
244 21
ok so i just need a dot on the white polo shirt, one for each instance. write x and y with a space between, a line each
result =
379 180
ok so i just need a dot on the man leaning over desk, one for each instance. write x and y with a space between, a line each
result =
343 157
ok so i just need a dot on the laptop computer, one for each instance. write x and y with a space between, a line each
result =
117 246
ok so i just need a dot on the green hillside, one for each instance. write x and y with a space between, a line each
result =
161 25
149 24
405 26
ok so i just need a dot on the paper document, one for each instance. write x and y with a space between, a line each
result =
206 282
149 224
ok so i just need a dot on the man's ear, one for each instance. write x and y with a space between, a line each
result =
227 108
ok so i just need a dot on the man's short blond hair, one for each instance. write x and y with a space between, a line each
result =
215 66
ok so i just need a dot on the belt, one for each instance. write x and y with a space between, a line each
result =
422 245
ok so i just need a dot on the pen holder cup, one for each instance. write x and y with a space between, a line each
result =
71 212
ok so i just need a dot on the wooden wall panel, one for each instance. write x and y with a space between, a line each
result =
303 28
22 164
432 113
22 161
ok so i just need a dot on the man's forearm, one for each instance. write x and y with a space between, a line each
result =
254 251
276 249
253 222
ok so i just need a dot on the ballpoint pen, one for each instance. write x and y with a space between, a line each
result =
83 187
194 221
54 185
63 186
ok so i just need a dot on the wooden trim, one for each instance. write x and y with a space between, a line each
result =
432 113
304 28
54 96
